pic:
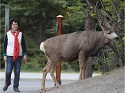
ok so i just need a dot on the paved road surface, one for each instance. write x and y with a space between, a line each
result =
27 85
31 82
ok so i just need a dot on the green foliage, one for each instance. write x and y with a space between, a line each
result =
70 66
41 14
38 22
75 17
113 56
124 38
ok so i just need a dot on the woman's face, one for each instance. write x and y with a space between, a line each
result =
14 26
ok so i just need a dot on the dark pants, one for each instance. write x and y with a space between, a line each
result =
9 67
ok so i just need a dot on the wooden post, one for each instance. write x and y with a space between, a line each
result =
6 18
6 25
58 66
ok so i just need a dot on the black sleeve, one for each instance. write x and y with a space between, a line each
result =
23 44
5 45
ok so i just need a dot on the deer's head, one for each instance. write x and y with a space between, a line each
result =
108 30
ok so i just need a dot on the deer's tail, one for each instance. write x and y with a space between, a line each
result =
42 47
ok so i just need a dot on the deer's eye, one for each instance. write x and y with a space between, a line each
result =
109 32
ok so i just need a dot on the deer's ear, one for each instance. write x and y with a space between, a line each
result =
105 25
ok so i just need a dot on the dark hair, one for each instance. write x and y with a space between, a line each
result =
13 20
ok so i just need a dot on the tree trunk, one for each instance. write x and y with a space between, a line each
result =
40 32
89 68
89 26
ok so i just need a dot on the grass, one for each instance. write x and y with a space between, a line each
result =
2 70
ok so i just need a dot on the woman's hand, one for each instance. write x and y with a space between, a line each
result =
5 58
25 58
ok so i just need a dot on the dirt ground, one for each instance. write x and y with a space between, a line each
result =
111 82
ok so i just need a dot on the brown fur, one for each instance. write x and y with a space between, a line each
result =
70 47
67 47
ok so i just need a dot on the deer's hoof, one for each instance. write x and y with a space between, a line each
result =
43 90
58 86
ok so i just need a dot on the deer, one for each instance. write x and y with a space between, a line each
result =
77 45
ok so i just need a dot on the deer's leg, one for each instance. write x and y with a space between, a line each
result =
53 76
45 71
82 65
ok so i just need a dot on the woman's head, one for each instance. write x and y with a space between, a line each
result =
14 23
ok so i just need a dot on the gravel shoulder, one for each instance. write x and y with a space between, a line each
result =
111 82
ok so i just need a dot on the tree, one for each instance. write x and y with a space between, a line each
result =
38 22
89 26
40 15
113 55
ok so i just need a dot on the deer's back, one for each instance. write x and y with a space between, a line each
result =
68 46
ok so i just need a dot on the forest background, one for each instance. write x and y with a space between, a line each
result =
38 22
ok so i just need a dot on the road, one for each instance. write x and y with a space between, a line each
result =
31 82
28 85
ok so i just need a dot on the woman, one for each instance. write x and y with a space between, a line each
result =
14 51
